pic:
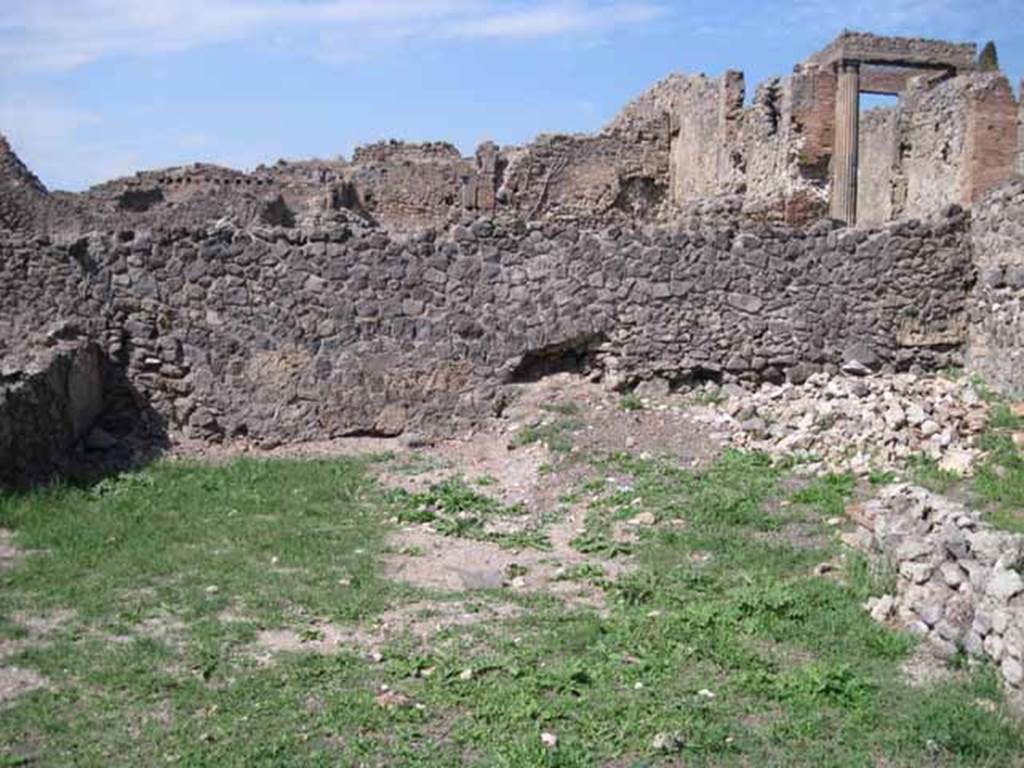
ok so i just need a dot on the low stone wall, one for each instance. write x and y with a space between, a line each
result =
997 312
48 402
284 334
959 580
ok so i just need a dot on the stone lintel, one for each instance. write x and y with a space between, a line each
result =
898 51
892 81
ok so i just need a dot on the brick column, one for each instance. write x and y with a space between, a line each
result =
844 158
1020 131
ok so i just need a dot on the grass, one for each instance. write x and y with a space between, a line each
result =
631 402
828 494
999 481
554 432
710 395
997 486
721 648
925 471
454 508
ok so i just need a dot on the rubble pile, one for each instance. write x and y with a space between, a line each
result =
959 580
860 423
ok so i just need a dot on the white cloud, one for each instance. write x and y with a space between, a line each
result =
64 34
47 136
955 17
547 20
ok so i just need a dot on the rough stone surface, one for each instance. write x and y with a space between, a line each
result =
982 615
859 423
997 314
287 334
48 401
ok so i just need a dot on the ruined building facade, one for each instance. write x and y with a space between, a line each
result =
691 146
695 237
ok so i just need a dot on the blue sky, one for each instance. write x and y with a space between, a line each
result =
93 89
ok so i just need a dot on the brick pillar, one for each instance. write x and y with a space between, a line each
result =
844 158
1020 130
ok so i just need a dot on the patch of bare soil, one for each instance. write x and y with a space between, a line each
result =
9 554
531 474
37 628
925 668
420 621
188 448
429 560
507 458
165 629
16 681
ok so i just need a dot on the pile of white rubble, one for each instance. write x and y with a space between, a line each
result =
858 424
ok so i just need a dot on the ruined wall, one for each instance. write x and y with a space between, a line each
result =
1020 130
621 173
992 132
306 334
942 144
23 197
878 157
49 398
706 156
406 187
773 155
996 348
932 130
959 580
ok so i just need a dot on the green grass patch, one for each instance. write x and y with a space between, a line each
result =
455 508
631 402
721 637
999 481
555 434
828 494
925 471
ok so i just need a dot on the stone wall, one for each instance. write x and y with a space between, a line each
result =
49 398
959 581
23 198
996 348
406 187
773 155
706 158
288 334
942 144
878 157
619 174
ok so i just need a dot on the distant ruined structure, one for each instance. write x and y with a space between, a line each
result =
695 237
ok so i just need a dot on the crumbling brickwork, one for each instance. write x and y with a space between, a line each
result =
684 142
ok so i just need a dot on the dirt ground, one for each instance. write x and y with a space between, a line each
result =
515 472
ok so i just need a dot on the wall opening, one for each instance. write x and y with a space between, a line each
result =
878 159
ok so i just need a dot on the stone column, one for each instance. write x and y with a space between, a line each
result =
844 159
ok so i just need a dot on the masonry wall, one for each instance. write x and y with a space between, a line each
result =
324 333
878 157
48 401
996 348
706 155
944 144
958 581
620 173
772 155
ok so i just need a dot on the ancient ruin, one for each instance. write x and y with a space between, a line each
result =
696 238
691 238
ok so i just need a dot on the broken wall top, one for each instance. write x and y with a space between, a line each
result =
898 51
